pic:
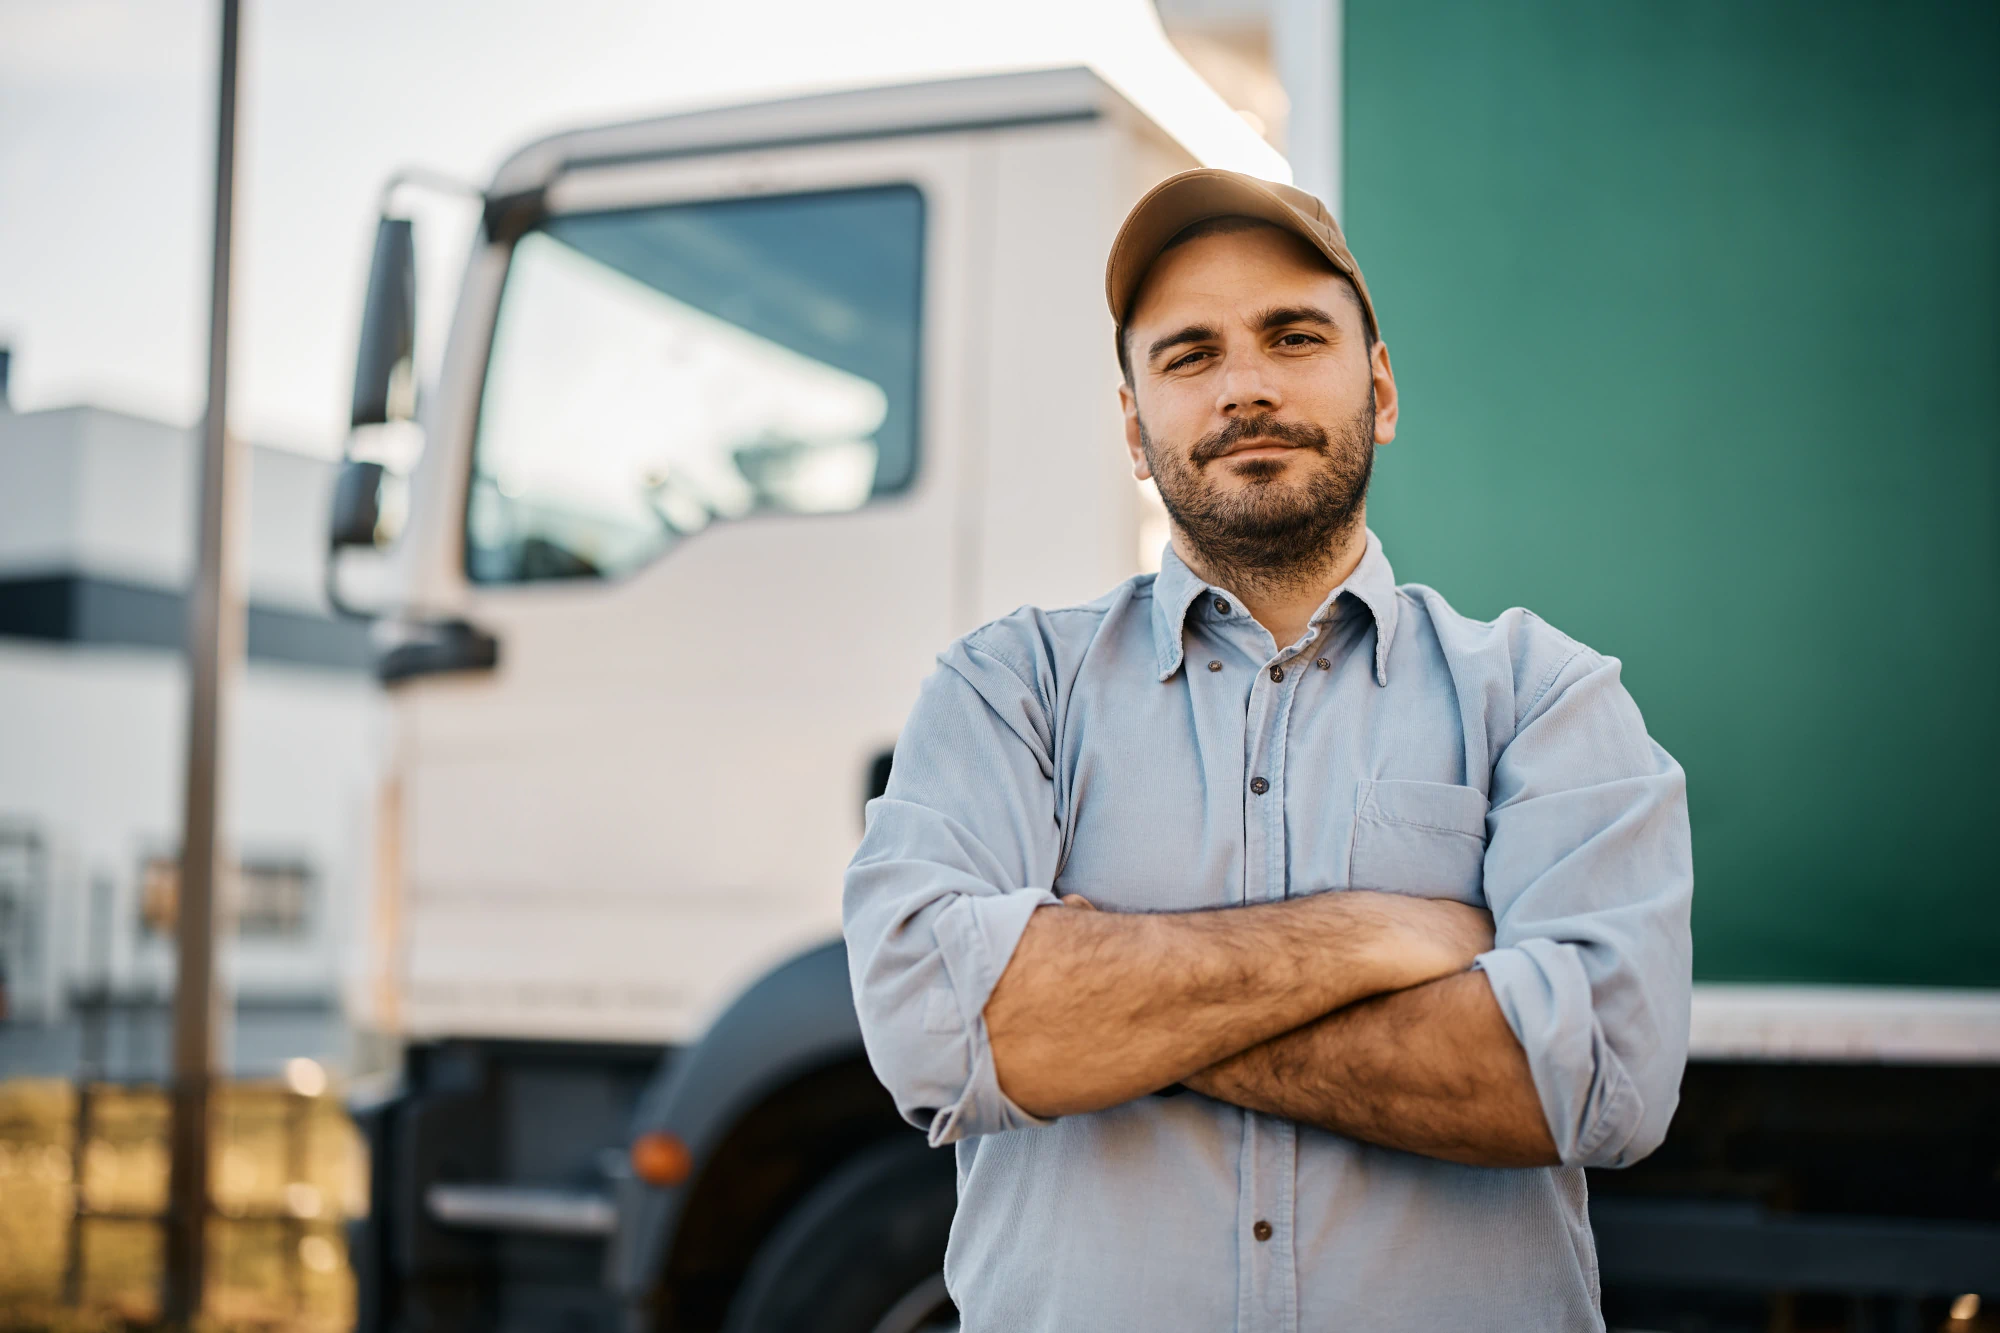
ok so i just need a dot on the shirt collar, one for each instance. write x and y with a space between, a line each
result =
1372 584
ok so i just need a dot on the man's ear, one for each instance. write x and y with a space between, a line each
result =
1386 402
1129 405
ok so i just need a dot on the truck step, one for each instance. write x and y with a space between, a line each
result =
522 1208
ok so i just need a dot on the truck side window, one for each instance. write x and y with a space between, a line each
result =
657 370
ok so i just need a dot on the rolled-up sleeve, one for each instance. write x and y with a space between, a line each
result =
1589 874
958 853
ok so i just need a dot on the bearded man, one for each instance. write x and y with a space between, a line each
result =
1275 944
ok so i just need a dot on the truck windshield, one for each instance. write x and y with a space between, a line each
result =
657 370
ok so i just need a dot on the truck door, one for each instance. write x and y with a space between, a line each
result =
708 497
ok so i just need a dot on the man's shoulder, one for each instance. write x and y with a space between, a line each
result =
1517 645
1038 643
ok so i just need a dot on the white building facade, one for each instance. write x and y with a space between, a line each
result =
97 516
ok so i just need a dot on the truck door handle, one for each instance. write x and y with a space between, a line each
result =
438 647
877 780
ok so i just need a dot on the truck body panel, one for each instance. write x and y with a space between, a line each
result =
1706 378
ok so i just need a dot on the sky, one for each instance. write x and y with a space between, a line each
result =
106 155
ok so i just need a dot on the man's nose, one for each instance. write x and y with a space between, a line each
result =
1245 387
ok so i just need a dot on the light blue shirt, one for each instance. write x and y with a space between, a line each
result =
1112 750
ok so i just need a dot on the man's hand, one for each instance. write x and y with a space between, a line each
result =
1436 937
1096 1008
1433 1070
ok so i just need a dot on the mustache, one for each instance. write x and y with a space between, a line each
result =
1299 435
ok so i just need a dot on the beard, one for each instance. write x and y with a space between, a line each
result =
1269 534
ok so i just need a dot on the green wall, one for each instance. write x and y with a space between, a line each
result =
1695 309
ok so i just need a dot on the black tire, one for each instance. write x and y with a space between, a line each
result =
867 1244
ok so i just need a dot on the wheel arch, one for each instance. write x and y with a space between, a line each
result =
769 1100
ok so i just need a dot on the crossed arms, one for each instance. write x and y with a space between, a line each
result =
986 1004
1349 1011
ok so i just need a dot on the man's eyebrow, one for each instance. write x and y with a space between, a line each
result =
1193 333
1279 316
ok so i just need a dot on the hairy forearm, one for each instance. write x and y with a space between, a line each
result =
1096 1008
1432 1070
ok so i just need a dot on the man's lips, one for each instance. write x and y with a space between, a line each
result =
1262 444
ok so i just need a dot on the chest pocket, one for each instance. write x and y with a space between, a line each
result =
1424 838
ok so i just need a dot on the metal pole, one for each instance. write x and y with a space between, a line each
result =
1306 48
79 1156
215 654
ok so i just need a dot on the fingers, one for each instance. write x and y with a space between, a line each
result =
1078 900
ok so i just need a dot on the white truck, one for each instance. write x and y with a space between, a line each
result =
744 414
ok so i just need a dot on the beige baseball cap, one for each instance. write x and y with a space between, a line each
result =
1179 202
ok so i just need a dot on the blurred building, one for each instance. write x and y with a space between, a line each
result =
97 515
1281 65
1229 44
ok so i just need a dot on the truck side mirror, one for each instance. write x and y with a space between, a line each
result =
357 504
383 367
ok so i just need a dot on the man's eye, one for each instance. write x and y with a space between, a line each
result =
1297 340
1188 360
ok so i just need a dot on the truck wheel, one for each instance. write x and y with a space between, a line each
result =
863 1253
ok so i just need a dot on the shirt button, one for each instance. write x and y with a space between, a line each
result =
1215 666
1259 786
1277 673
1323 664
1221 606
1262 1231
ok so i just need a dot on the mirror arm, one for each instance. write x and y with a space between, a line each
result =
343 608
425 178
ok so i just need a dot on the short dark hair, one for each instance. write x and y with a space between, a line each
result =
1228 225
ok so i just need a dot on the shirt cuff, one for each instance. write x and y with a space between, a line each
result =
977 936
1586 1096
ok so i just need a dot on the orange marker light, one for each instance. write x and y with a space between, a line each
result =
659 1158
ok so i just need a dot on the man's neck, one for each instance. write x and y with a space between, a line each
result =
1283 600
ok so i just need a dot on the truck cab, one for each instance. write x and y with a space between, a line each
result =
744 414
